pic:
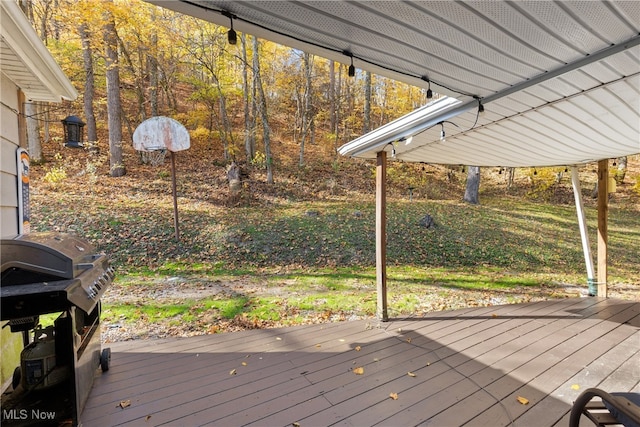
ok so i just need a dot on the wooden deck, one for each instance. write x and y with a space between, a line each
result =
463 367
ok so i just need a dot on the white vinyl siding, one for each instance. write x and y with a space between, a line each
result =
9 143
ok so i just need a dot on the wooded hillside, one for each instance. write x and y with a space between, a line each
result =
279 112
237 98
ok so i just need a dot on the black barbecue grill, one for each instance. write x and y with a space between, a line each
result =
45 273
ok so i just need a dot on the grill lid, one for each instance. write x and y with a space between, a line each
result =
55 254
48 272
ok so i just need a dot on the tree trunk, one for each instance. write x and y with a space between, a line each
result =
332 97
137 73
30 108
338 108
249 141
511 172
152 64
473 185
254 107
227 131
89 88
47 121
306 112
347 102
27 8
116 163
366 127
262 107
33 131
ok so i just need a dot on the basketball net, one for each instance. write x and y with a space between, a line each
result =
155 157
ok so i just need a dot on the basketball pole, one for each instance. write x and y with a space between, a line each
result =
158 134
175 194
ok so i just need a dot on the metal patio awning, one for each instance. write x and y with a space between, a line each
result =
559 80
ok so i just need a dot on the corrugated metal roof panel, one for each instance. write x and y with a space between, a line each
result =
559 80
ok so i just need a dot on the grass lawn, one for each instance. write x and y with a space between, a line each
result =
284 260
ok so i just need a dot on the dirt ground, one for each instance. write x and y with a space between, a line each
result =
177 290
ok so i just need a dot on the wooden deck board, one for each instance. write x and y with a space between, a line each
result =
467 368
626 371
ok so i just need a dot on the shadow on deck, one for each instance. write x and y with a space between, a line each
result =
463 367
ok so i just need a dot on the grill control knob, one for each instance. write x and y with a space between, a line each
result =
92 292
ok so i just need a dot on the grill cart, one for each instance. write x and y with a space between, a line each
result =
44 273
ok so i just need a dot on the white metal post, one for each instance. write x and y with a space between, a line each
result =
582 222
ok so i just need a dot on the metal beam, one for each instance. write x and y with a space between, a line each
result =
420 120
582 223
541 78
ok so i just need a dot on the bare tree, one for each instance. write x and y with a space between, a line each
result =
307 110
89 86
261 105
152 65
31 108
367 103
249 139
206 47
114 107
511 173
332 97
337 106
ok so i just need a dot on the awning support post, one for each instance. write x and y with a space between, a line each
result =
582 222
603 214
381 235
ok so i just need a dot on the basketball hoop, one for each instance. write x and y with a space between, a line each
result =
154 137
155 155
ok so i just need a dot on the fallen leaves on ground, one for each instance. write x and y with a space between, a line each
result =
523 400
358 371
394 396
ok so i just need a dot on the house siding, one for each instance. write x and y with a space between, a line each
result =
10 343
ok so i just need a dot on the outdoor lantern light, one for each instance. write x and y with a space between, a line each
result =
429 91
351 72
232 36
73 128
